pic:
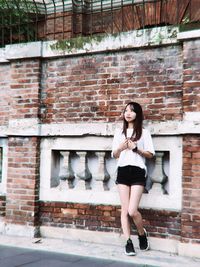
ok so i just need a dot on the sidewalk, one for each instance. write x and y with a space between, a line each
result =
114 255
21 257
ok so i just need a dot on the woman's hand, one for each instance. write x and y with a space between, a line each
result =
131 144
122 146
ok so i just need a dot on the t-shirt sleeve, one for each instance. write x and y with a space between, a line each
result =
148 142
116 141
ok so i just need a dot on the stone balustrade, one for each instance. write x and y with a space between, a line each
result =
82 170
89 170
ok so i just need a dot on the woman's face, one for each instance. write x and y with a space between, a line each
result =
129 114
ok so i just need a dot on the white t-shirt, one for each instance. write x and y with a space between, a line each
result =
127 156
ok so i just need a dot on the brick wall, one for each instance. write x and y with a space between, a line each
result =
23 152
81 216
22 181
191 81
163 223
160 224
190 218
4 93
152 77
94 88
58 26
24 89
101 19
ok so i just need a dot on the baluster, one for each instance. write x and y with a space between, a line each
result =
66 172
83 174
158 176
101 174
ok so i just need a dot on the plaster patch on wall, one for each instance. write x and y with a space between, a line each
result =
3 55
192 117
24 127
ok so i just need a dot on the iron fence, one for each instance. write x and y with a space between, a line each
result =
26 20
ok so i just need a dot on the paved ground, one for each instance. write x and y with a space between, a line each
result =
26 252
20 257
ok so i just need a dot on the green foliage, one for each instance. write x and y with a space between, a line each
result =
15 21
76 43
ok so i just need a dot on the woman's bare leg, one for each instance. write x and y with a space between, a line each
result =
135 196
124 193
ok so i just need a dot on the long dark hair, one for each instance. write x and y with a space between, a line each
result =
137 123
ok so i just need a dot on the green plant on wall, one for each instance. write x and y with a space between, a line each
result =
188 25
76 43
16 21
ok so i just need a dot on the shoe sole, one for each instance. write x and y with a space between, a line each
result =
130 253
146 248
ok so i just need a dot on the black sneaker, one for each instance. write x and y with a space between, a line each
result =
143 241
129 248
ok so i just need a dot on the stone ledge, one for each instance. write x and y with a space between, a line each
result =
125 40
24 50
33 127
184 36
108 238
17 230
3 56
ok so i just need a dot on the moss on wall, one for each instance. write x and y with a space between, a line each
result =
76 43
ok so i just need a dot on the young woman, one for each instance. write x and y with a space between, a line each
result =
131 145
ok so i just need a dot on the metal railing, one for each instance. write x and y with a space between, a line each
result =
33 20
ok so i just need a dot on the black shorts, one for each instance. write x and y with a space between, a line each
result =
131 175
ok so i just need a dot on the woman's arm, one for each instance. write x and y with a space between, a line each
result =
133 146
145 154
117 153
